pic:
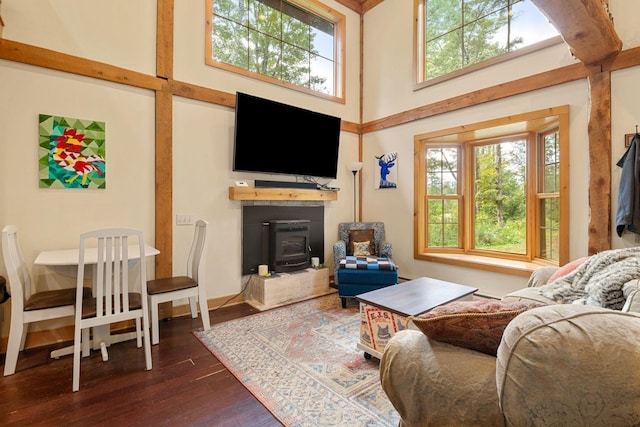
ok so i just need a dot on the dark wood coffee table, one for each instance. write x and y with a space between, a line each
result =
385 311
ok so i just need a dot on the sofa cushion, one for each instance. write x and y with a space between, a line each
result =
432 383
540 276
570 365
366 235
566 269
477 325
532 295
631 293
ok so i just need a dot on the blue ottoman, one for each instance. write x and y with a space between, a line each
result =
352 282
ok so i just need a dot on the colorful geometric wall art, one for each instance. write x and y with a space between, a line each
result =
71 153
386 167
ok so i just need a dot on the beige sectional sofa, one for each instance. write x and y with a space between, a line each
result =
559 364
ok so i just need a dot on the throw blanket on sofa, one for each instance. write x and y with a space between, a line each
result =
367 263
598 280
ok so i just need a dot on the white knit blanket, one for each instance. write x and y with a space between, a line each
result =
598 280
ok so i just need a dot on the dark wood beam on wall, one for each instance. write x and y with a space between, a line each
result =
504 90
164 39
164 142
355 5
1 21
586 27
163 184
599 132
45 58
360 6
164 149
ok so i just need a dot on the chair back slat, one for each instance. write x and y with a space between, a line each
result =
112 282
122 274
17 271
198 253
101 268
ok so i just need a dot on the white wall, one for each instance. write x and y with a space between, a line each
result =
117 32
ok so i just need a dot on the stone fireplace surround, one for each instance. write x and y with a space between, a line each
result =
254 214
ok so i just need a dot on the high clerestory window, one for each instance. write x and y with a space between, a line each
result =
294 43
457 35
495 189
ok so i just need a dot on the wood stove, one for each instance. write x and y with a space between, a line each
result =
255 231
289 245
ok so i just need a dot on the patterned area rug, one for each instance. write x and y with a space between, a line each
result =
302 363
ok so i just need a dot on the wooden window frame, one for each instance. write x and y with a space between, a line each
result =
540 192
314 7
534 123
459 197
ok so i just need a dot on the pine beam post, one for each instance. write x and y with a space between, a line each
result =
585 25
599 133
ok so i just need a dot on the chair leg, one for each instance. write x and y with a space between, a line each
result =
86 342
344 302
204 313
145 337
23 336
193 306
16 333
76 358
138 333
155 334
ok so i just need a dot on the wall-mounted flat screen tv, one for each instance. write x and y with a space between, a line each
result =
276 138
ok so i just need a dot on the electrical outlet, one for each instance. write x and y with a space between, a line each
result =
185 219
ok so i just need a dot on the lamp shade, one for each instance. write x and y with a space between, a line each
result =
355 166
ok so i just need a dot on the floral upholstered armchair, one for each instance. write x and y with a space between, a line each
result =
350 232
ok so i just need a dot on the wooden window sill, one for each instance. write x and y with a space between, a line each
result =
496 265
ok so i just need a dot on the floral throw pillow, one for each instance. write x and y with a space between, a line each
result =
366 235
361 248
477 325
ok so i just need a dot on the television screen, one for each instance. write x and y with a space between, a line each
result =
272 137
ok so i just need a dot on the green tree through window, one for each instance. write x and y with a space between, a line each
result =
460 33
500 196
495 189
275 39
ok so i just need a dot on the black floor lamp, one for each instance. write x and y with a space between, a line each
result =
354 167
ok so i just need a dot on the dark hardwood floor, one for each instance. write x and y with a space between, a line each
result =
187 386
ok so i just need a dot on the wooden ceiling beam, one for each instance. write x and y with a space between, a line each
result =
355 5
360 6
586 26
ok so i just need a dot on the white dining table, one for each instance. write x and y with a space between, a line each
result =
65 262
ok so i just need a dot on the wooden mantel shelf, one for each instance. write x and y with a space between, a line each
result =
254 193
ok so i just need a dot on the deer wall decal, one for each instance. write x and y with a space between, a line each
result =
386 162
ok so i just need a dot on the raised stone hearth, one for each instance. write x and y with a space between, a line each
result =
264 293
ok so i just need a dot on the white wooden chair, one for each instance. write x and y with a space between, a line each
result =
191 286
28 306
117 297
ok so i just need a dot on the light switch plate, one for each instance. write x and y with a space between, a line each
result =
185 219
